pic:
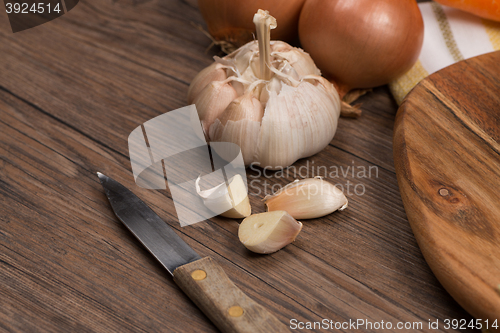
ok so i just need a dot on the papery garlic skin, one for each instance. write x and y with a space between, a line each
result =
213 100
268 232
214 72
299 109
307 199
228 201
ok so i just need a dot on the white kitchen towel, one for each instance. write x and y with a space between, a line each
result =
450 35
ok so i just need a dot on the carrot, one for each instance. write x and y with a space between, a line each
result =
488 9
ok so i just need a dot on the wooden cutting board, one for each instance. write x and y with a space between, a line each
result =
447 157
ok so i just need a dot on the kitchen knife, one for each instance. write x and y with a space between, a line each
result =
202 279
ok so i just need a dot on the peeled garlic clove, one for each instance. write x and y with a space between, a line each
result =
307 199
228 201
239 199
213 100
214 72
268 232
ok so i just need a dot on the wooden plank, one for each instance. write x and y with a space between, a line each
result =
308 281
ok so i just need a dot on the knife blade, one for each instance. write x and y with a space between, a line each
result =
201 279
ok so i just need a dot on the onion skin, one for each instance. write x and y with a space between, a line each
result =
232 20
362 43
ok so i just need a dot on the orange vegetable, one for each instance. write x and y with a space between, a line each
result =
488 9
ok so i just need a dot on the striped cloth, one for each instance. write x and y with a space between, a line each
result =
450 35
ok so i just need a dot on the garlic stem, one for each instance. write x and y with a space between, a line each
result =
263 24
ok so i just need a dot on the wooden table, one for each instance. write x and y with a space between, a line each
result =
72 90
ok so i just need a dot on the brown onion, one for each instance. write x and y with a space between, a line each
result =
361 43
232 20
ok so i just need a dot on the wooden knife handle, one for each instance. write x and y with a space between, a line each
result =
205 282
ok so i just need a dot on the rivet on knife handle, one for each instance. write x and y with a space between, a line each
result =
205 282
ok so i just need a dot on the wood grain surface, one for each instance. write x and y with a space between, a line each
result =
446 150
73 89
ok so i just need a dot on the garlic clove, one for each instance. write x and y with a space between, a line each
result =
213 100
268 232
239 198
214 72
239 87
307 199
321 82
287 69
274 85
298 122
279 46
243 107
240 124
244 133
301 61
228 201
243 58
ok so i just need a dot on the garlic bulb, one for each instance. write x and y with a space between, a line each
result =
228 201
269 98
307 199
268 232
